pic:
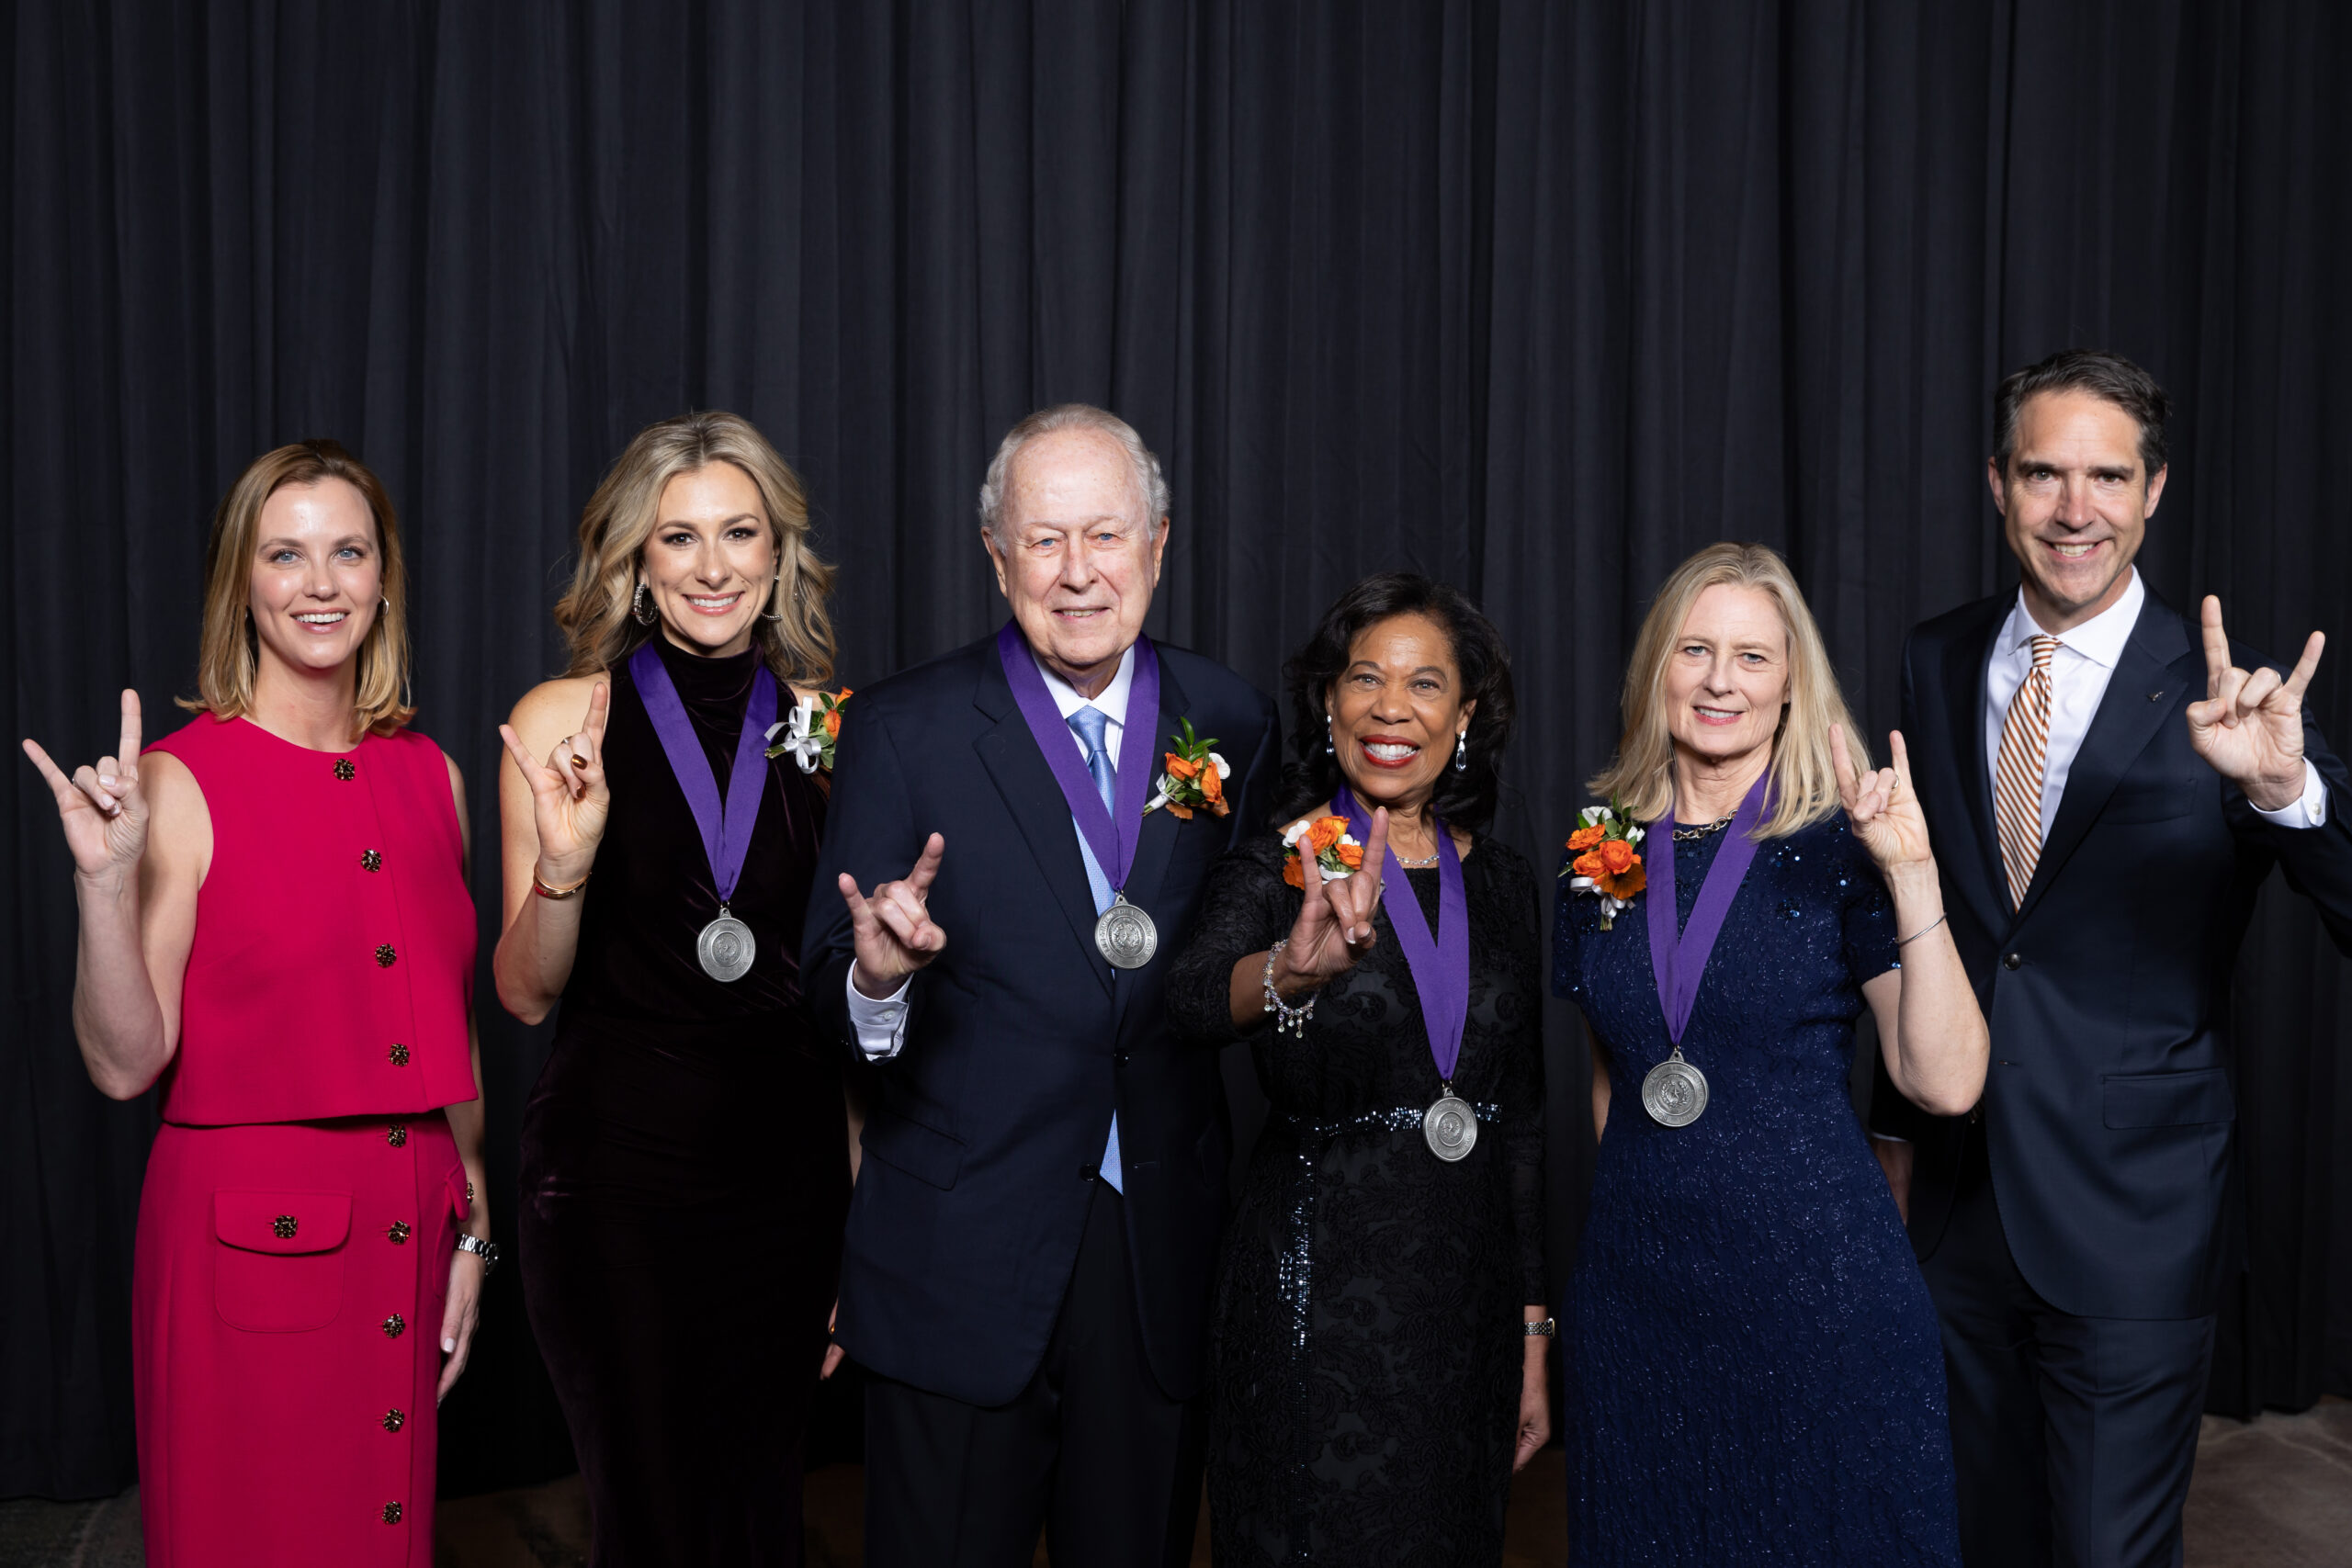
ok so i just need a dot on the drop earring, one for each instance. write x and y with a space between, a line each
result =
1462 753
637 609
1328 749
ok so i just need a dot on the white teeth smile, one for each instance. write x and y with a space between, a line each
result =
2075 552
1717 713
1389 751
324 618
721 604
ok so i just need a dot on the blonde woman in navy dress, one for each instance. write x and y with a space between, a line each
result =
1754 1369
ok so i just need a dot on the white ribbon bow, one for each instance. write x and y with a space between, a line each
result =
805 741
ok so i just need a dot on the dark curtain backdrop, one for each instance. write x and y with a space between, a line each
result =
1535 297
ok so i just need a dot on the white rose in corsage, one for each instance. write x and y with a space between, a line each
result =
1337 853
811 731
1604 863
1194 779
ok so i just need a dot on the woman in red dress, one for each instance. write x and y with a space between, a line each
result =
274 926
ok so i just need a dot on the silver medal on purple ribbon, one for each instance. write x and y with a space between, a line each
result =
1123 933
1441 967
725 947
1674 1092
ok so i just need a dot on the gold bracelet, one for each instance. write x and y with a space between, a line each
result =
558 894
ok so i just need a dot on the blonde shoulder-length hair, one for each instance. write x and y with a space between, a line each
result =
228 650
793 631
1804 781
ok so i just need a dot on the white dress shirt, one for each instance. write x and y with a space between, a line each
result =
881 1024
2079 671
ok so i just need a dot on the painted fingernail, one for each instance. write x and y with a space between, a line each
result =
448 1346
107 779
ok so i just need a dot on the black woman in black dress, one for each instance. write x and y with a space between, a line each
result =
1379 1334
685 1163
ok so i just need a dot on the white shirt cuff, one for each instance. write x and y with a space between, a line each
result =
881 1024
2309 812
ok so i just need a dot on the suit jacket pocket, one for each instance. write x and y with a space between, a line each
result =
924 1153
280 1266
2163 800
2167 1099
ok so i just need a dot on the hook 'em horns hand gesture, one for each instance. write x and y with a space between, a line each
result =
1882 804
893 928
101 808
2249 729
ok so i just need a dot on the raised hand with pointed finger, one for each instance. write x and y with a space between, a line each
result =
1334 927
893 930
1881 804
101 808
2249 729
570 799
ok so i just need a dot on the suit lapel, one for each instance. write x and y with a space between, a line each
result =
2126 721
1009 753
1974 854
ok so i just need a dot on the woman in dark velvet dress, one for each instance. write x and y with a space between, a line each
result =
685 1169
1378 1343
1755 1373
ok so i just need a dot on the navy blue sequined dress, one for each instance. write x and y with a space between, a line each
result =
1754 1369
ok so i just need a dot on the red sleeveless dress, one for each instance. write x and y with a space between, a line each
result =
302 1196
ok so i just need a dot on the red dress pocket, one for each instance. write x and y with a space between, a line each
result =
279 1266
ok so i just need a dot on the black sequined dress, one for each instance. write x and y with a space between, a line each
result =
1754 1369
685 1162
1368 1343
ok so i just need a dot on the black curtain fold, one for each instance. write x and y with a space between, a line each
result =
1534 297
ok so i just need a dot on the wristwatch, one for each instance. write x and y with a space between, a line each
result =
1546 1328
485 1250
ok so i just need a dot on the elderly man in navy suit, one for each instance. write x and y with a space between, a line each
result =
1034 1232
2109 785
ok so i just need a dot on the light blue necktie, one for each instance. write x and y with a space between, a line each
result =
1092 726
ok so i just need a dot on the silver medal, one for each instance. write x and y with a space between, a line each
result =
726 947
1674 1092
1124 935
1451 1127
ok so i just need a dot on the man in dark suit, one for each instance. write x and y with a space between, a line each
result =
1032 1241
2107 786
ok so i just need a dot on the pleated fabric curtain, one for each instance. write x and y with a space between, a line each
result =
1534 297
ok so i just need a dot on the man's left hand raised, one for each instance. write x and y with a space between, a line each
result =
2250 726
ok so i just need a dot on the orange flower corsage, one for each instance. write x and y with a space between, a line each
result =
810 732
1601 860
1337 853
1193 779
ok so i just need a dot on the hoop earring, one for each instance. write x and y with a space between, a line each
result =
1462 753
637 609
771 599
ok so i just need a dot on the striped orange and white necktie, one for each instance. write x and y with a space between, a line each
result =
2017 775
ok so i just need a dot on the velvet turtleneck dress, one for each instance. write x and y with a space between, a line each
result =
685 1162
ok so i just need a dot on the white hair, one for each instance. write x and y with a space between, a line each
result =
1150 483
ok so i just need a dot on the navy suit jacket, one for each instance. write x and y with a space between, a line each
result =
984 1131
2109 1107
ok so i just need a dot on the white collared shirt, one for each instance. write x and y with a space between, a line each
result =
881 1022
2079 672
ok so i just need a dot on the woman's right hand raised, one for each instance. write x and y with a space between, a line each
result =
569 797
101 808
1334 926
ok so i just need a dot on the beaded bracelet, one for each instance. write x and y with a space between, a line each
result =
1286 1017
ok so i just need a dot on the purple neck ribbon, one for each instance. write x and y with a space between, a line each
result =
1441 965
1112 836
1680 960
726 828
